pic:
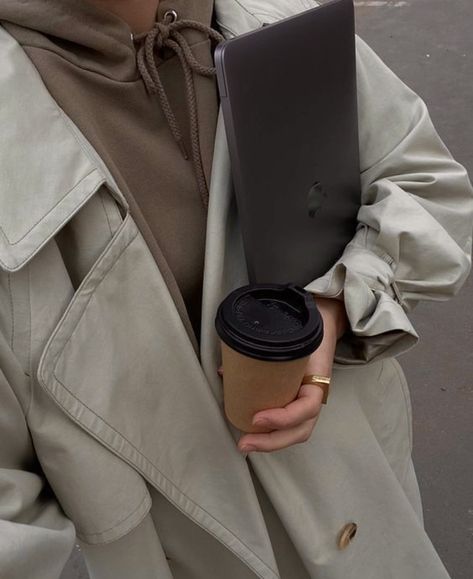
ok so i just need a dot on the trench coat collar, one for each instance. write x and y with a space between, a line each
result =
50 175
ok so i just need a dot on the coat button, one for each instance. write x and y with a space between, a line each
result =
346 535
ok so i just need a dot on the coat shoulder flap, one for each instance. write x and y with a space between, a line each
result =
46 175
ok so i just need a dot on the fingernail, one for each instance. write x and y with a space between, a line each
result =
247 448
261 422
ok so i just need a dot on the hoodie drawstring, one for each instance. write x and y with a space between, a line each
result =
168 35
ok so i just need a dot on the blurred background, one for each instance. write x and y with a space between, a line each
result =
429 44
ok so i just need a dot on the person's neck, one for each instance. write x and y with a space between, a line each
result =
140 15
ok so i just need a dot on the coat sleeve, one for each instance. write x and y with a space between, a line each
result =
36 538
413 239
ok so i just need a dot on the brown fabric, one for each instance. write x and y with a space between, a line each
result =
169 35
87 58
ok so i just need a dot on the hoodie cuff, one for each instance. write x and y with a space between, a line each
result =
379 326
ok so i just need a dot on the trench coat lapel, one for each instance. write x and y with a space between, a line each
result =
171 427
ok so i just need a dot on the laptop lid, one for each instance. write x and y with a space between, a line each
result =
289 100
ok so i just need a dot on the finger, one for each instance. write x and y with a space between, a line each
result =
306 406
277 439
220 370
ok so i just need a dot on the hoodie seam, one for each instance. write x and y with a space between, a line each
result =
42 48
137 79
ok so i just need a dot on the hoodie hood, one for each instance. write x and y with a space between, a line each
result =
84 34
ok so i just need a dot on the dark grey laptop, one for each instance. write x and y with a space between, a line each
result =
288 93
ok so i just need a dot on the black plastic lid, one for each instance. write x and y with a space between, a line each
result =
270 322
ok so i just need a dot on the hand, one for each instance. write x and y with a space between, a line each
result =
294 423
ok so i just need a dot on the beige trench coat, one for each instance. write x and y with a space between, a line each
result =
104 398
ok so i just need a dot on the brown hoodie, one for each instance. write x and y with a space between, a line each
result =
87 58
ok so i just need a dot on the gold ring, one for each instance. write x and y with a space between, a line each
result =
321 381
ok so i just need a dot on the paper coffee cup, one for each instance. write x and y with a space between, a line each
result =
267 332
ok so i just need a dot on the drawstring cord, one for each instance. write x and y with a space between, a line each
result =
168 35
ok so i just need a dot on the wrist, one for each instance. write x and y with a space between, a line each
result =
334 316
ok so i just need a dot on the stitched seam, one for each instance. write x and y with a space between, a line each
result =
247 11
70 338
398 296
406 402
106 214
72 130
112 209
84 537
77 65
55 105
46 214
154 466
12 330
65 119
222 27
387 258
260 15
129 516
366 246
307 4
30 369
94 158
98 74
83 284
20 264
102 419
92 295
326 293
380 371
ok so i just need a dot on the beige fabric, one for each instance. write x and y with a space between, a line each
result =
36 538
137 555
115 399
207 558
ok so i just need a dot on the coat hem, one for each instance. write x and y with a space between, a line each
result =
125 526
